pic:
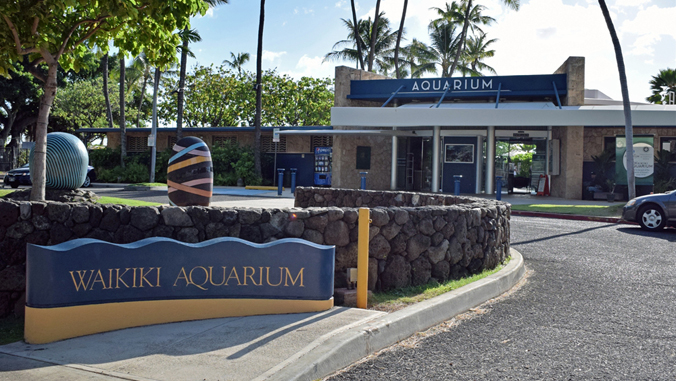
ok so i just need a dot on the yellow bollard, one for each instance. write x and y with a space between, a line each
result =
363 257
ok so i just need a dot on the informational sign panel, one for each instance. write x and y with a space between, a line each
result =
644 160
86 286
275 135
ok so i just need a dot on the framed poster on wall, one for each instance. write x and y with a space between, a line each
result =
459 153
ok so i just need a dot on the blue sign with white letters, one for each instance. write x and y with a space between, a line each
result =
518 86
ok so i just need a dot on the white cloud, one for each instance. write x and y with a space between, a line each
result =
311 67
271 56
649 26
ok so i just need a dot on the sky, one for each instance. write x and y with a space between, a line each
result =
536 39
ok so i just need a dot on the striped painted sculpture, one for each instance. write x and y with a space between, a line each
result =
190 174
67 160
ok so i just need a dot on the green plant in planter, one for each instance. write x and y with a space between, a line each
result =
662 180
603 164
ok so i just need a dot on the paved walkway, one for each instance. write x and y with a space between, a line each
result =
272 347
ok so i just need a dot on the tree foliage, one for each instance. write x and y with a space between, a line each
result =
662 84
62 32
217 96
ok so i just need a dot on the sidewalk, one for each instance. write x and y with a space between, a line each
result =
271 347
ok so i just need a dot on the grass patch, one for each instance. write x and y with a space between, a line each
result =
5 192
124 201
11 330
614 210
394 300
148 185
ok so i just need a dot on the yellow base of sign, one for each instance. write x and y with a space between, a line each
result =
45 325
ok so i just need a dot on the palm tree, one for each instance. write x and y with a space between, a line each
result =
141 65
663 82
472 15
628 127
477 50
385 39
237 61
372 46
396 47
259 94
445 43
357 35
109 112
188 36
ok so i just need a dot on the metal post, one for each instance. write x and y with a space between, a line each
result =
457 184
435 158
280 180
153 154
363 257
363 180
393 173
498 188
293 180
490 158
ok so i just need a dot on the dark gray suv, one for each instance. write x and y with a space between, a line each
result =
653 212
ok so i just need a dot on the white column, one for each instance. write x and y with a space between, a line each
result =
490 158
548 143
478 161
436 143
393 174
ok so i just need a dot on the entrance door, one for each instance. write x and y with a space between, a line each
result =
414 164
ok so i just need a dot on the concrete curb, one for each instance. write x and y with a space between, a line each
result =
612 220
347 347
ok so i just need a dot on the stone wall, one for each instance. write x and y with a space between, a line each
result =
422 237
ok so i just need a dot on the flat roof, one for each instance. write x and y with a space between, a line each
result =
507 114
204 129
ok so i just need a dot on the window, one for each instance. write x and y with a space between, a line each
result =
222 140
459 153
137 143
668 143
609 144
267 145
322 141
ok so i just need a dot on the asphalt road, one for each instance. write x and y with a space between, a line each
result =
599 303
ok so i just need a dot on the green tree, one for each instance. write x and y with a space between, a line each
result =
19 102
54 32
225 99
81 104
478 49
626 105
350 48
662 84
237 61
471 18
445 42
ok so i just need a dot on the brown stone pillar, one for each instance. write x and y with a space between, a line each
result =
344 173
569 183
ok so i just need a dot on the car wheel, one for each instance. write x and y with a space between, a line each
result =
14 185
87 183
651 218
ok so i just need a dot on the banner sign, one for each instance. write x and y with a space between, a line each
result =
516 86
86 286
644 160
